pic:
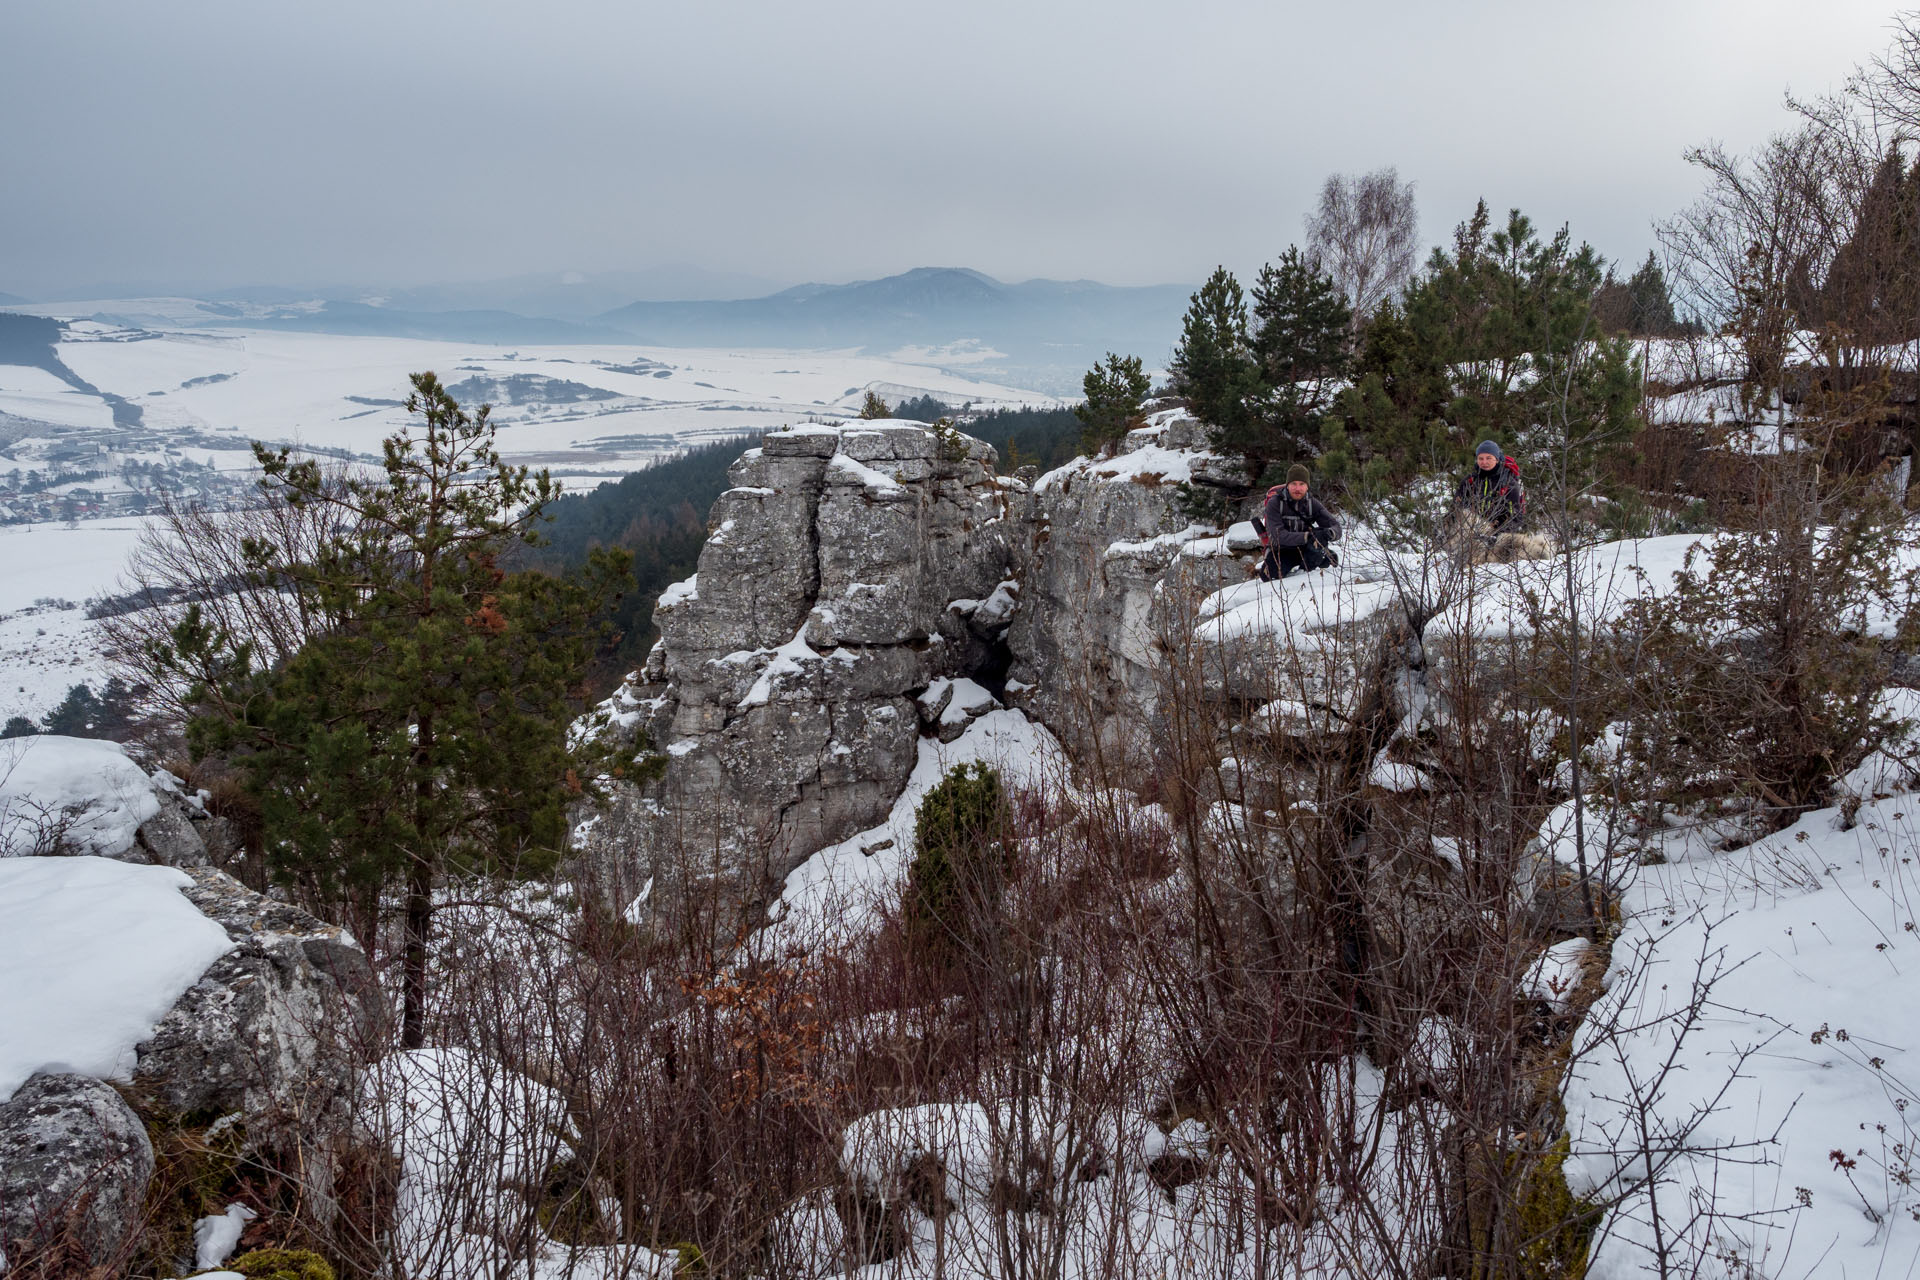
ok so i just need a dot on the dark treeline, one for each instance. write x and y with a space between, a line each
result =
659 514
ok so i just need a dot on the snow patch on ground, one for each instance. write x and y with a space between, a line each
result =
1794 1087
94 952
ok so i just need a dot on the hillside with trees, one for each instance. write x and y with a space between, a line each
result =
992 874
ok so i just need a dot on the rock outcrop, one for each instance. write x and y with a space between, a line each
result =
61 795
868 584
270 1032
257 1059
847 569
1112 564
74 1166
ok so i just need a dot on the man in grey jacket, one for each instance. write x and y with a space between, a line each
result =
1296 528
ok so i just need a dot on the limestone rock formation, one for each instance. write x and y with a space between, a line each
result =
1114 565
74 1166
847 569
869 584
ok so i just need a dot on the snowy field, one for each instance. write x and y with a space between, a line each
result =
47 643
584 411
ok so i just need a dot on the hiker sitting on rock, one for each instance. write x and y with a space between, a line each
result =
1493 492
1297 529
1490 511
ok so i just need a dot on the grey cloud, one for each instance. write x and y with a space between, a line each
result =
403 143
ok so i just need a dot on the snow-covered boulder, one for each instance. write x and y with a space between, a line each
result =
272 1029
72 795
208 1000
63 795
94 953
74 1166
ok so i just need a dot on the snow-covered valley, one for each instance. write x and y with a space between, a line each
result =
170 414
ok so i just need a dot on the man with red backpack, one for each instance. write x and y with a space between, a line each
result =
1296 528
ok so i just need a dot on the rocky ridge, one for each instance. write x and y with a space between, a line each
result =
863 585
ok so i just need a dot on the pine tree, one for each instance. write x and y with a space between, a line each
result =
1301 343
874 407
1114 389
960 853
427 732
1214 366
18 727
1497 338
1650 303
1871 294
76 715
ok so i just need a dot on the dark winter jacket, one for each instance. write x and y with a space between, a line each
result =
1293 524
1496 496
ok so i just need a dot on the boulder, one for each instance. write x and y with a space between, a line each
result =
171 838
74 1166
272 1034
270 1030
62 795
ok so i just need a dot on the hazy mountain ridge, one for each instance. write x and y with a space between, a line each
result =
1039 333
926 304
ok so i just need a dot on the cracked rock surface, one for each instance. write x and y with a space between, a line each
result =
865 586
784 688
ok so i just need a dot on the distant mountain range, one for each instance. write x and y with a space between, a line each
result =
1049 330
1039 334
928 305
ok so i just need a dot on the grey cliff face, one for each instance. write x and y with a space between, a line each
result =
74 1167
848 574
1109 583
783 690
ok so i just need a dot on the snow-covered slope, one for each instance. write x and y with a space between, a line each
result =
1759 1046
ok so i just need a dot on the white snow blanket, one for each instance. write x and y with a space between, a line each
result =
1306 611
83 789
1773 996
93 952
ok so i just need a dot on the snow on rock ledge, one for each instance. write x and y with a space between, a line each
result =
81 792
95 952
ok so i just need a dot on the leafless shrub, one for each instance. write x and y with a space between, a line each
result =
195 554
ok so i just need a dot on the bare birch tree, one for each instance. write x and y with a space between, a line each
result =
1365 234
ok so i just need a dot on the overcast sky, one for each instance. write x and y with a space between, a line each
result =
397 142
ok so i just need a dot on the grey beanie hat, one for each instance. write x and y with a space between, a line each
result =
1488 446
